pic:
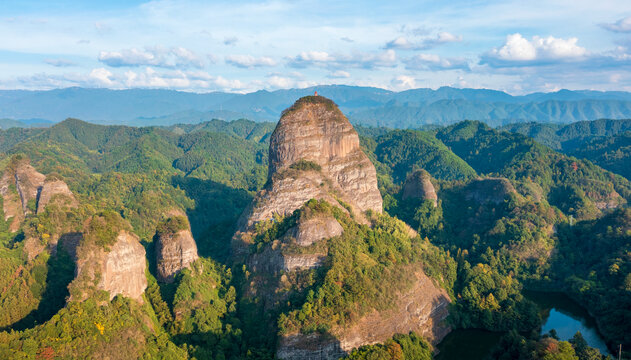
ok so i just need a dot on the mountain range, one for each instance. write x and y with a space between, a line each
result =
363 105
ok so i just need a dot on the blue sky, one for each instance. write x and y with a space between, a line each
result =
241 46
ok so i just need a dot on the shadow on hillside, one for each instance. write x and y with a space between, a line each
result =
61 268
213 219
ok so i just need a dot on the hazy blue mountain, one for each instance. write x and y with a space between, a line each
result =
24 123
364 105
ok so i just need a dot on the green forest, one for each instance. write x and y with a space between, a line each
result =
523 207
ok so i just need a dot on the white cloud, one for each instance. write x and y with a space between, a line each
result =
440 38
518 49
249 61
403 82
102 76
59 62
173 57
178 79
363 60
339 74
435 62
620 26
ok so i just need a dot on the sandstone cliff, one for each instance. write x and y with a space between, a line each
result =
422 308
314 154
25 190
19 186
419 185
175 248
108 257
55 191
319 189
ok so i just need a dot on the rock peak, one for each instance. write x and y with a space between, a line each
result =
314 154
313 129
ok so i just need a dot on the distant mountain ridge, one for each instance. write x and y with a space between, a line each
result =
363 105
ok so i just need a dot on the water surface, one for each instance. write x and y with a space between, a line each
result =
557 311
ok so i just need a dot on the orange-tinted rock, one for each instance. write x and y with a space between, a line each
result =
315 130
314 154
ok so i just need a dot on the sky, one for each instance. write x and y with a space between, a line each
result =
243 46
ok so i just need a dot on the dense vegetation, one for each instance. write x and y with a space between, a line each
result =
606 143
545 228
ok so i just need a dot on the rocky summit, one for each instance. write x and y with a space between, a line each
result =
314 154
419 185
118 268
175 248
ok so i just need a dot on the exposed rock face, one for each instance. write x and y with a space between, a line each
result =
491 190
314 154
314 129
314 229
423 309
19 185
174 252
419 185
118 271
52 190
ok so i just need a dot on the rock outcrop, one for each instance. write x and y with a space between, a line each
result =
25 190
489 190
422 308
311 230
121 270
314 154
55 190
19 186
175 249
419 185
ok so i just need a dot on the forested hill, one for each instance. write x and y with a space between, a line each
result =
364 105
507 213
605 142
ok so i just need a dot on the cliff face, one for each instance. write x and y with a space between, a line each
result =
314 154
174 252
19 186
24 190
422 308
315 130
419 185
121 270
54 191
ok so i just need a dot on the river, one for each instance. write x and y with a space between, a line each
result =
558 312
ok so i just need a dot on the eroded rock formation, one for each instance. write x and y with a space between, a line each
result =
419 185
175 250
121 270
311 230
19 187
25 190
422 308
55 190
314 154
